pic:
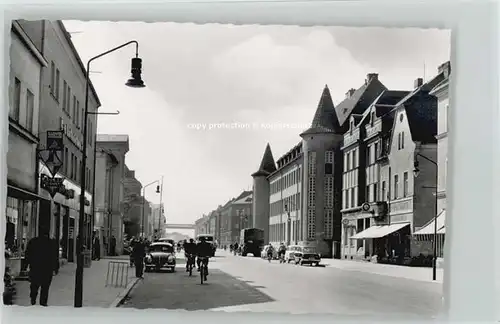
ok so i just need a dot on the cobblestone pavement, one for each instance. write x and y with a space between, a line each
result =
62 289
252 284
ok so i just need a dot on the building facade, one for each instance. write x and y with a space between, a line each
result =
158 219
110 151
132 204
233 215
62 94
396 136
285 187
312 173
26 64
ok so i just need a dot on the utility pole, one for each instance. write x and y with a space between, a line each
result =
160 213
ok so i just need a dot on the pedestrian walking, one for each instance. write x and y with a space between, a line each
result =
139 252
96 246
41 256
112 246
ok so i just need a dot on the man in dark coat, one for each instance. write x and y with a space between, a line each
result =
96 246
112 246
138 254
41 256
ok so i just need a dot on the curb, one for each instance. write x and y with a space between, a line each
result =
124 294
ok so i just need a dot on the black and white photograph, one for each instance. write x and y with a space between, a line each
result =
235 168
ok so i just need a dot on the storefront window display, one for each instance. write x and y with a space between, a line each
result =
19 224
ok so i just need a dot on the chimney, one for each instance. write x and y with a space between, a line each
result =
371 76
418 83
349 93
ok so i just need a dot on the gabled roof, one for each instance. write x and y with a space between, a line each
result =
246 199
384 103
325 119
267 165
360 99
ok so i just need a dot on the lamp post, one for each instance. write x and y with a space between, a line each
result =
160 214
143 225
288 229
134 82
416 172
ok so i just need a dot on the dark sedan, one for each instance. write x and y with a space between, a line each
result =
161 255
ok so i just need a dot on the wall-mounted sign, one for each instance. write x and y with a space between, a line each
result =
52 185
52 159
55 140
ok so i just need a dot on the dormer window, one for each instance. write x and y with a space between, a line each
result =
372 118
352 125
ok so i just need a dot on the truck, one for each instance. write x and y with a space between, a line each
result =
251 241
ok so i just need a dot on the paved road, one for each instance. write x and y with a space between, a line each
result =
253 284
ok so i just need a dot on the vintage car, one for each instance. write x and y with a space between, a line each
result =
160 255
290 252
306 255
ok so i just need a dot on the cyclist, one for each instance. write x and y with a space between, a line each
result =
203 250
270 252
281 251
189 253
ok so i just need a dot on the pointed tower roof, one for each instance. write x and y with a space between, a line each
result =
325 119
267 165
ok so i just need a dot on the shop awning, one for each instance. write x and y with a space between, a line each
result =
428 229
13 191
378 231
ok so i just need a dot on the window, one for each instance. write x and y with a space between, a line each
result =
30 107
66 161
375 192
16 100
368 155
75 112
405 184
72 167
384 193
348 166
367 194
56 89
396 180
352 126
352 197
65 94
402 140
399 141
354 159
82 118
372 121
376 150
68 100
52 77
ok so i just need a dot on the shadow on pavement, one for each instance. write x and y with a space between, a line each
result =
180 291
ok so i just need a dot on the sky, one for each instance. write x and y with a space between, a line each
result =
217 94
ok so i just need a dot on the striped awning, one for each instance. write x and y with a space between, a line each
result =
429 228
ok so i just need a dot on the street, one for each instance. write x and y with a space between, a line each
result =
252 284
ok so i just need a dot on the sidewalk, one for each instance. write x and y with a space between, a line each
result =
95 292
414 273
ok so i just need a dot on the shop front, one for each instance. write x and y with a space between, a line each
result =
21 226
61 213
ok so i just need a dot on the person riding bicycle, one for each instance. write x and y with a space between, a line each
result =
270 251
281 250
189 252
203 250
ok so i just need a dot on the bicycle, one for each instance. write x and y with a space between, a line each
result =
190 262
203 269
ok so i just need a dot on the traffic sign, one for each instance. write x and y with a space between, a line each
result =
55 140
52 185
53 160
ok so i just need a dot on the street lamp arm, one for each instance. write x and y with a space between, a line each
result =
103 113
426 158
112 50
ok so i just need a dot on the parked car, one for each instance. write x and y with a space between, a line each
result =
160 255
290 252
263 254
167 240
307 255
